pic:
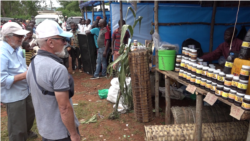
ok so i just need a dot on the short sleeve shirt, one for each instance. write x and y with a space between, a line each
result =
52 76
104 35
117 37
74 39
95 32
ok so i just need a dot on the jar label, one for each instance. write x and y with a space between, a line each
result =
221 78
184 75
210 74
245 44
204 72
180 74
197 81
218 92
188 77
214 88
231 96
227 83
215 76
245 105
186 66
177 60
225 94
203 83
208 86
189 67
198 71
192 80
234 83
192 55
182 64
193 69
229 64
242 86
244 72
238 99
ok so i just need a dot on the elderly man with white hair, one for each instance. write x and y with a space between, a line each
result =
51 86
14 88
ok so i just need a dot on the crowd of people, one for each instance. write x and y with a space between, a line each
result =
35 82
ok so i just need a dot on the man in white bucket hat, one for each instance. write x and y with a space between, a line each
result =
50 86
14 87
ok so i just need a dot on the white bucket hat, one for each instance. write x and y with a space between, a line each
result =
12 27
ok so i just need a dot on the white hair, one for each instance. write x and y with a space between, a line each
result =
7 35
41 42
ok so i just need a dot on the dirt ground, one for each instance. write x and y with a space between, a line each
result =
89 104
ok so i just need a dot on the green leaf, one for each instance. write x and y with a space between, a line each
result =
138 20
131 9
124 29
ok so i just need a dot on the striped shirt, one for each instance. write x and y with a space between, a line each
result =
117 37
28 56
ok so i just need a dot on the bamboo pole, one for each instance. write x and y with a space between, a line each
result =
212 27
167 99
156 62
92 13
82 13
85 8
121 16
198 122
103 10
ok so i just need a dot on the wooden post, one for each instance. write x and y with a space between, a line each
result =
82 13
93 14
103 10
167 99
121 16
212 27
85 8
248 133
198 122
156 63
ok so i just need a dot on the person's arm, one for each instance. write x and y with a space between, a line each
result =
67 114
61 88
215 55
107 38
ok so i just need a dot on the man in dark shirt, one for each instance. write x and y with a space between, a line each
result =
103 44
223 48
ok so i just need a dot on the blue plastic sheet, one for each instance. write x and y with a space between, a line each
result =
201 33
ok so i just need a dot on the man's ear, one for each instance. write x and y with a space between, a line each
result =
50 43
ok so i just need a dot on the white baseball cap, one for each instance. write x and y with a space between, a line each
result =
49 28
12 27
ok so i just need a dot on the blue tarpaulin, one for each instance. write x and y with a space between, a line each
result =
90 3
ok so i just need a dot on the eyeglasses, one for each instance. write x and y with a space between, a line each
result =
63 39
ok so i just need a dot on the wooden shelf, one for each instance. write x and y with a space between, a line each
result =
174 75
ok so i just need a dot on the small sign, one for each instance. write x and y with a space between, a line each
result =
191 88
210 99
236 112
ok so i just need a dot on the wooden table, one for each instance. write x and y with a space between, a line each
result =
174 75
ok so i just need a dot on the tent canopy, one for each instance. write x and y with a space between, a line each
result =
91 2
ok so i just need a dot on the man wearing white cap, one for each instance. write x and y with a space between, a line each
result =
49 84
14 87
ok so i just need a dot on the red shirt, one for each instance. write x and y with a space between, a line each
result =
223 49
117 37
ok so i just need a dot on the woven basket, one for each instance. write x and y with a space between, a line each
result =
210 114
229 131
141 87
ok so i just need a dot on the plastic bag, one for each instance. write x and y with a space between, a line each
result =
163 45
103 93
112 94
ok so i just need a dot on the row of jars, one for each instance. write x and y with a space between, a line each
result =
229 92
187 52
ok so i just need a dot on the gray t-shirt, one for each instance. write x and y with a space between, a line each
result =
101 38
52 76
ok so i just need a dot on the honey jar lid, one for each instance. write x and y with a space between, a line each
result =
230 76
247 97
185 48
240 94
177 65
220 86
193 50
192 75
245 67
213 83
232 91
205 68
198 77
243 81
203 79
208 81
178 56
211 69
226 88
236 78
221 73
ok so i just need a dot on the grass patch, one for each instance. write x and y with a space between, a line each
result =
87 84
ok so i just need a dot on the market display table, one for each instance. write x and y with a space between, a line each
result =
199 101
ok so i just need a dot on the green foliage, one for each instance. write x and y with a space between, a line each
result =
71 8
125 91
19 9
